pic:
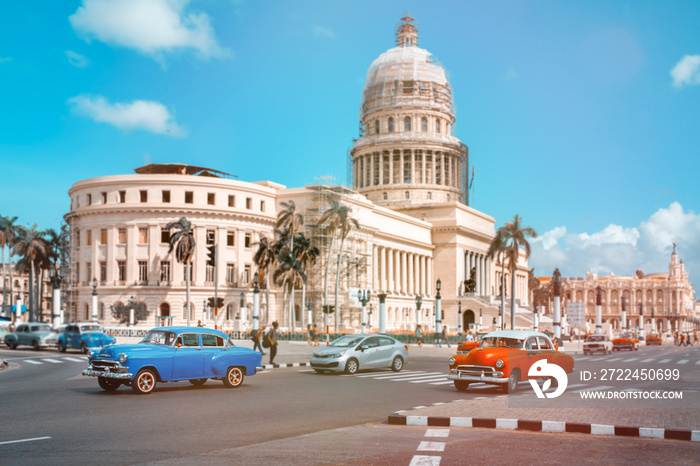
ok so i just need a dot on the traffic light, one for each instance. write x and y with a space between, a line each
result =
218 304
211 255
328 309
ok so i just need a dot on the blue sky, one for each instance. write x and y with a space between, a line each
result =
581 117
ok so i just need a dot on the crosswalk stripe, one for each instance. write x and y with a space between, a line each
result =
407 379
408 376
597 359
630 359
387 374
614 359
54 361
433 379
442 383
664 361
682 361
75 359
31 361
647 360
698 361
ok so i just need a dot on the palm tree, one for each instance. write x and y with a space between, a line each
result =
307 255
58 243
497 248
337 217
512 238
32 246
289 274
265 258
8 232
183 243
288 222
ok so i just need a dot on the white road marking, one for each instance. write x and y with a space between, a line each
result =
422 460
31 361
664 361
682 361
437 433
431 446
614 359
647 360
432 379
25 440
54 361
75 359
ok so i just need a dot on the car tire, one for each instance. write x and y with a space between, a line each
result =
351 366
35 345
108 385
144 382
61 347
12 344
83 348
513 380
585 353
234 377
198 382
461 385
319 371
397 364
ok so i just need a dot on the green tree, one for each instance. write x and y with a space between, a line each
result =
509 241
182 241
337 219
265 258
8 233
289 274
289 222
307 255
33 248
122 312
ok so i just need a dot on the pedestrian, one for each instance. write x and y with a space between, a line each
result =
314 333
199 323
257 336
443 337
675 338
682 340
696 337
309 334
419 335
271 336
470 337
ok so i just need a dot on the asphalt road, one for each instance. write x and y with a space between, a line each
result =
53 415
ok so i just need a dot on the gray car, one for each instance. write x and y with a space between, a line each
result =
351 353
36 335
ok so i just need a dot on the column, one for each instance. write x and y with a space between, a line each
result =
390 270
403 268
411 277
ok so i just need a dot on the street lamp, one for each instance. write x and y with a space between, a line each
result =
459 316
438 312
256 302
94 299
419 301
479 318
240 310
363 295
370 316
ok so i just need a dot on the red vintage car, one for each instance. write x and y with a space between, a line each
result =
625 341
466 345
653 339
504 358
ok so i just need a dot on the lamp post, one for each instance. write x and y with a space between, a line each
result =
256 303
240 315
623 320
535 319
419 301
479 318
598 310
310 304
556 321
653 324
55 297
438 313
382 312
363 296
132 310
459 317
93 312
370 316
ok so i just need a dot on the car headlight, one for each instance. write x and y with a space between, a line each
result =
338 354
500 364
89 354
451 362
122 358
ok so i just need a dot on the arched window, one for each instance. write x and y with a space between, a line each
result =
407 124
376 126
437 126
391 125
424 125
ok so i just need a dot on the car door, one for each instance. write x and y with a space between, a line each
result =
22 334
386 352
72 337
188 362
212 346
369 354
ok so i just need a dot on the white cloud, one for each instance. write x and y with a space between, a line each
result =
623 250
149 26
326 33
139 114
686 71
77 60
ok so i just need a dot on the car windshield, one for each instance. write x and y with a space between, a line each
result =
595 338
40 328
347 341
90 328
159 337
626 335
501 342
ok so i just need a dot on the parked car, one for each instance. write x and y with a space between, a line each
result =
170 354
625 341
597 342
504 358
466 346
34 334
83 336
351 353
653 339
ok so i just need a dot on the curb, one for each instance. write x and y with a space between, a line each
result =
545 426
289 364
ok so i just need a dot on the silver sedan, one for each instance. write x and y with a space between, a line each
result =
351 353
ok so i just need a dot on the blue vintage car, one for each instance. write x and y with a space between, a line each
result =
34 334
169 354
83 336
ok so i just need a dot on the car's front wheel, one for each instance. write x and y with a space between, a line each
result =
12 344
198 382
351 366
397 364
35 345
144 382
234 377
513 380
461 385
61 347
83 348
108 385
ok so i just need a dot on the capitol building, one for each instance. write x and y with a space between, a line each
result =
407 190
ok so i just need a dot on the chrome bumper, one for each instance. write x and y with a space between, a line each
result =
497 377
108 375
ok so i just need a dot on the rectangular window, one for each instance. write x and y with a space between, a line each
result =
77 238
166 197
184 272
211 198
165 271
121 266
143 235
211 239
231 201
103 271
122 236
164 235
122 197
89 199
77 274
230 238
143 194
375 177
209 273
103 236
88 274
104 197
246 275
143 271
248 203
230 273
189 197
262 206
89 237
248 240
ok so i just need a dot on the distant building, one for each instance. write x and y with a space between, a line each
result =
409 196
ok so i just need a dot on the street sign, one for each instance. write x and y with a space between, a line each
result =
576 314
